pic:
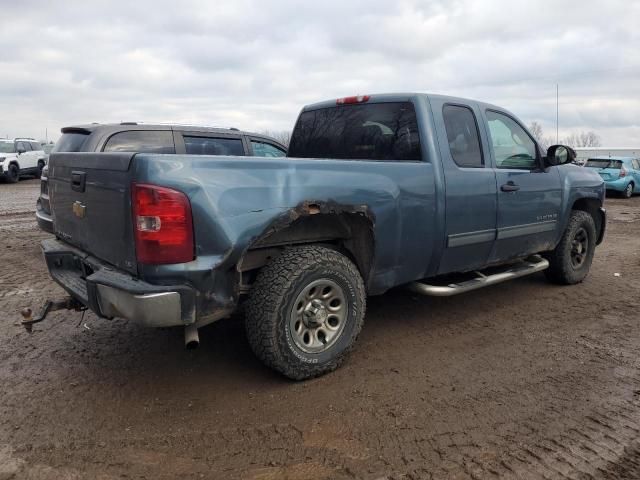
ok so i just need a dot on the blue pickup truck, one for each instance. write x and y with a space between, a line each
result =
437 194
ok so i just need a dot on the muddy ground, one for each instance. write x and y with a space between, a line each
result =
521 380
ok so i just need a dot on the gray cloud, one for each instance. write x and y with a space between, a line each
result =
253 64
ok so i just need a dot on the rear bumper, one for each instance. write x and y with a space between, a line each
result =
45 222
111 293
618 185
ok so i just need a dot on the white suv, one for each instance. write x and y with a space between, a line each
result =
21 156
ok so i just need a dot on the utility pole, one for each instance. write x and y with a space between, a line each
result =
46 135
557 108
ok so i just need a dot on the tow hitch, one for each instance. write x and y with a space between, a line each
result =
68 303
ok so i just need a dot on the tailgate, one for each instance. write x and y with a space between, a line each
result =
91 204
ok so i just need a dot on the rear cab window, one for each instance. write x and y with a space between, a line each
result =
142 141
372 131
70 142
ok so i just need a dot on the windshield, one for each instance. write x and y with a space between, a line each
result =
604 163
7 147
377 131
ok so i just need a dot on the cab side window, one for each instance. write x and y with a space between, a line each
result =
512 146
462 135
230 146
143 141
261 149
23 146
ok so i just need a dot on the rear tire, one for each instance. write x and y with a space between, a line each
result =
13 174
569 263
305 311
628 192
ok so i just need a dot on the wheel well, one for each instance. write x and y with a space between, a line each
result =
348 232
592 207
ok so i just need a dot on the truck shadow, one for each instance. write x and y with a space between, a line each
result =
133 355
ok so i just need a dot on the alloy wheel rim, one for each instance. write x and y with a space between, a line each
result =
318 316
579 248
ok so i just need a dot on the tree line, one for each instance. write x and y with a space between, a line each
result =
581 139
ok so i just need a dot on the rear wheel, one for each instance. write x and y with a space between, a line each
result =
305 311
13 173
569 263
628 191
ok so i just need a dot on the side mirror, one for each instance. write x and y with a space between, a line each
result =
21 150
559 155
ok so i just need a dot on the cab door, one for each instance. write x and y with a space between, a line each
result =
529 195
470 185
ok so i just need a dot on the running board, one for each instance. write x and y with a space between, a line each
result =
526 267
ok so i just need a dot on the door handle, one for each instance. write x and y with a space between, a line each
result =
78 180
510 187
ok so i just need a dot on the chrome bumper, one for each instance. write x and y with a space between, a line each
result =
151 309
113 293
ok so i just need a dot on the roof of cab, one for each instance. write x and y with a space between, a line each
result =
112 128
402 97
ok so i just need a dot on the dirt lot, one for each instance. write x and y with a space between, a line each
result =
522 380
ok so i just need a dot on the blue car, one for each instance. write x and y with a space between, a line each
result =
620 174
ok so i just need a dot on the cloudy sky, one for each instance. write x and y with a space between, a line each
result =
253 64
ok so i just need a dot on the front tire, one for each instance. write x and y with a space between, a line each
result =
13 174
570 261
628 191
39 170
305 311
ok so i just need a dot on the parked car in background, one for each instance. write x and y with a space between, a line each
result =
19 157
147 138
620 174
440 194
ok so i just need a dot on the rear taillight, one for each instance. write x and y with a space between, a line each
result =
623 172
163 225
356 99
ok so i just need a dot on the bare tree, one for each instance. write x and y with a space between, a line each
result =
583 139
536 130
283 136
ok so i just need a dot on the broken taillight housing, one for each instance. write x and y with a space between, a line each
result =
163 225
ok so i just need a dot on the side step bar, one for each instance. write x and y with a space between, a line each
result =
526 267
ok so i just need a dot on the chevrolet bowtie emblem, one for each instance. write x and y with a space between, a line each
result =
79 209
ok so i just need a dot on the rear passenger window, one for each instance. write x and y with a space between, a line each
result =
35 146
143 141
462 136
213 146
261 149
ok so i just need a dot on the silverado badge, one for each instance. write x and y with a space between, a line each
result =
79 209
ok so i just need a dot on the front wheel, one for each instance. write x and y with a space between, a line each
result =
13 173
570 261
628 191
40 168
305 311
